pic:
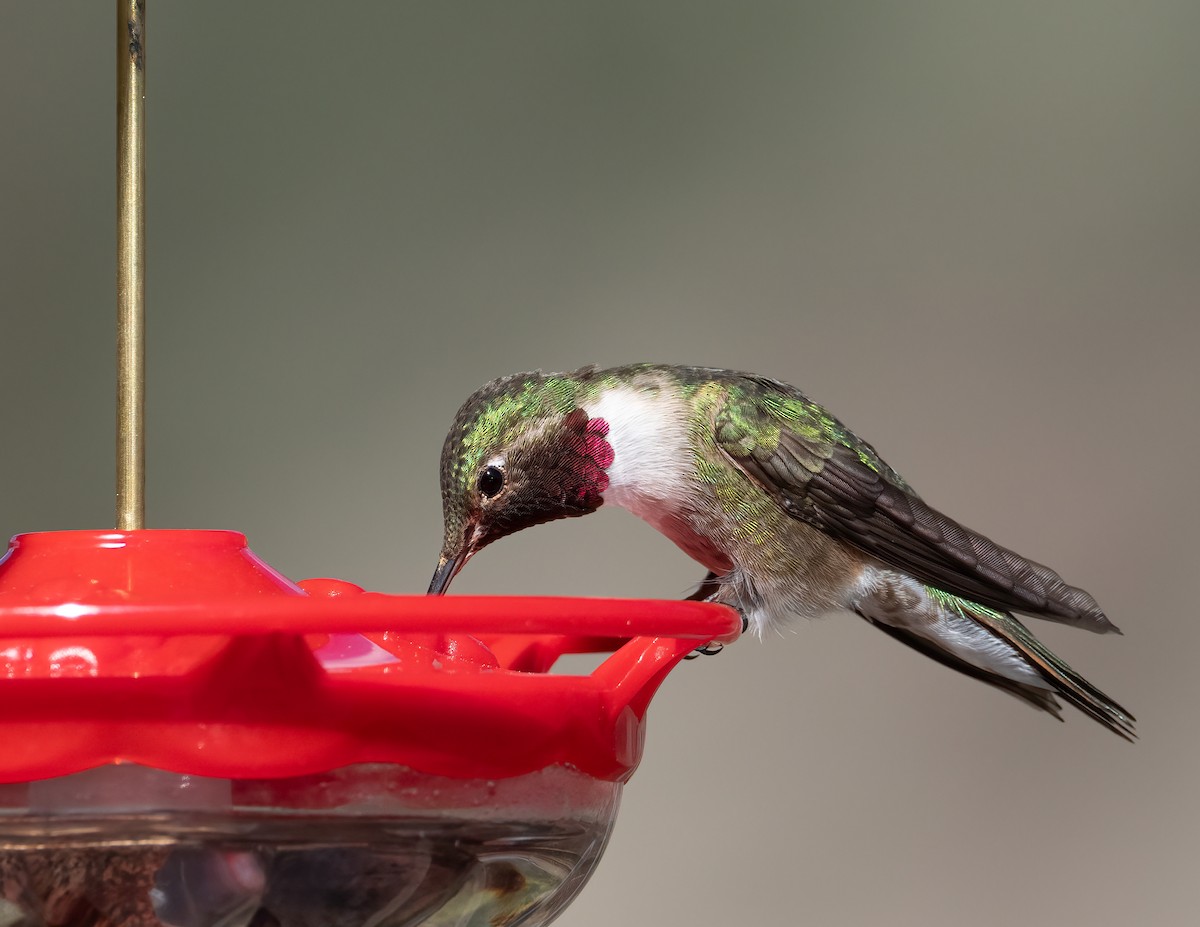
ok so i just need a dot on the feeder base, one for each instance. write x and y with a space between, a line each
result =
488 856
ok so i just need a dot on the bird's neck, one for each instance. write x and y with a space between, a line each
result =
653 464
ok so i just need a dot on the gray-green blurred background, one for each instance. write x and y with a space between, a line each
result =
973 230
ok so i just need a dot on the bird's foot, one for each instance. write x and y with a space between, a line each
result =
707 592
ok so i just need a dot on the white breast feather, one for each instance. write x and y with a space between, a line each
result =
651 456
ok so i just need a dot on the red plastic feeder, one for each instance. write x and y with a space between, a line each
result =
193 740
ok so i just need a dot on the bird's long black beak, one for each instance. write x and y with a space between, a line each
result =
446 569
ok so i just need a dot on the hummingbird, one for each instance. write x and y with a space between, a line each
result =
790 512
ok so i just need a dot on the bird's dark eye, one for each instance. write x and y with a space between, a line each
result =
491 481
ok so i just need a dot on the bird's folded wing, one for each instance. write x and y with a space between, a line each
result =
822 474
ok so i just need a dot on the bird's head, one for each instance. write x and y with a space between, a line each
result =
520 452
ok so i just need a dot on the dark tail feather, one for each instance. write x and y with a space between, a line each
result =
1067 683
1042 699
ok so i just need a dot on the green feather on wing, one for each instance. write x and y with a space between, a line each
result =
822 473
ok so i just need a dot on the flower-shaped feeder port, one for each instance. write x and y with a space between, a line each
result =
191 739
